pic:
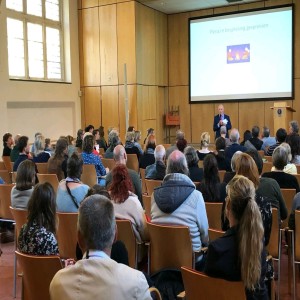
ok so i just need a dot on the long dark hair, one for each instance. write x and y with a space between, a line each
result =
25 175
42 207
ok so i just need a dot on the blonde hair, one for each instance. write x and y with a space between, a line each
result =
205 139
244 209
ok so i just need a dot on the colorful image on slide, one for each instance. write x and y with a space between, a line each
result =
238 53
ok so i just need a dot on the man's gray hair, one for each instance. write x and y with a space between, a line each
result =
223 129
177 163
159 153
295 126
179 135
234 135
280 158
113 137
119 151
129 136
96 222
266 131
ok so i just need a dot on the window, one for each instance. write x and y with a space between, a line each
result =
34 38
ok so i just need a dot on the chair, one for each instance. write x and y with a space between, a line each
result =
213 212
200 286
155 292
147 205
261 153
51 178
6 176
167 146
5 202
38 272
89 175
127 236
67 234
267 166
151 185
42 168
101 151
221 174
274 246
268 158
214 234
298 169
298 178
108 163
200 164
133 162
142 174
8 163
288 196
2 165
295 249
13 177
170 247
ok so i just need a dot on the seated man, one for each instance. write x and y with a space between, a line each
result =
235 146
178 202
97 275
157 170
280 138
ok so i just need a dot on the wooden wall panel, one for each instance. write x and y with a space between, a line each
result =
82 106
108 44
126 41
225 9
277 2
92 105
105 2
89 3
80 44
110 106
91 54
178 49
161 49
145 44
160 129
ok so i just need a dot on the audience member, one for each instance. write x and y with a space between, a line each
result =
157 170
32 150
15 151
293 130
192 159
130 129
280 138
89 129
290 168
137 138
223 134
254 140
229 175
120 157
126 203
267 139
210 186
71 147
113 141
23 148
8 143
96 233
78 143
285 180
149 131
71 191
222 160
179 136
147 158
247 136
177 201
57 164
101 141
25 182
294 143
235 146
239 254
40 155
130 148
204 143
181 145
37 236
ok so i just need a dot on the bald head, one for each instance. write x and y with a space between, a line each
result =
177 163
221 109
159 153
234 135
120 155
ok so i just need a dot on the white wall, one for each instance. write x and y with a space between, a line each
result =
51 108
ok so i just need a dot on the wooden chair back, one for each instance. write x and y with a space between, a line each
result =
6 176
297 235
133 162
38 271
147 205
67 234
221 174
51 178
7 162
127 236
20 217
155 292
42 168
295 241
5 201
213 212
167 146
267 166
101 151
151 185
298 169
214 234
142 174
108 163
298 178
268 158
275 236
14 177
288 196
89 175
200 164
197 285
170 247
261 153
2 165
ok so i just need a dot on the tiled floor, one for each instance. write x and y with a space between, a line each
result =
6 275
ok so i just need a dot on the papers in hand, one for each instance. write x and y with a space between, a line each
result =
225 121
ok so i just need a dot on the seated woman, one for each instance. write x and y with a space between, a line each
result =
39 154
285 180
25 182
137 138
101 140
294 142
239 255
89 158
148 158
37 236
57 164
210 186
130 148
195 173
204 142
8 144
126 203
79 137
290 167
222 160
71 191
113 141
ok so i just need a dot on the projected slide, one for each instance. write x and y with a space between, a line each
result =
242 56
